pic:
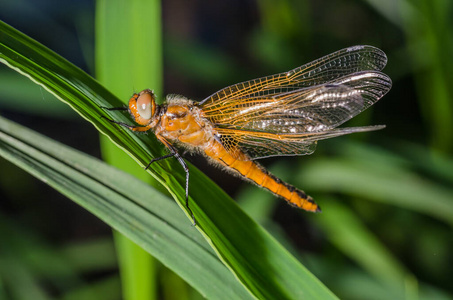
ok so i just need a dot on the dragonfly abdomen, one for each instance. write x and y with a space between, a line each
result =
261 177
291 194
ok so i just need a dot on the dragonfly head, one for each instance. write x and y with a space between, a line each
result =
142 107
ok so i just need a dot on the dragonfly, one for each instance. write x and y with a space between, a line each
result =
279 115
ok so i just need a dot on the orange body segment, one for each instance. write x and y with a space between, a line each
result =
255 173
181 123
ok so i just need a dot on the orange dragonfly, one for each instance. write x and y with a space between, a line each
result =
278 115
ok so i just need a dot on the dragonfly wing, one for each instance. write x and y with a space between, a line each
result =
286 113
259 145
325 69
310 109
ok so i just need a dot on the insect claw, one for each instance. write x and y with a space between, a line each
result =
114 108
194 222
110 120
159 158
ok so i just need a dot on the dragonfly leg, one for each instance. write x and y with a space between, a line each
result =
131 127
114 108
174 152
186 169
159 158
122 108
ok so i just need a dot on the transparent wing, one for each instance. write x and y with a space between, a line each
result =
305 110
258 145
286 113
325 69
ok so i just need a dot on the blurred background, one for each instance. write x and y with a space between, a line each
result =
387 196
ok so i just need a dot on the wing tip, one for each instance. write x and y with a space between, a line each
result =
380 59
365 128
374 127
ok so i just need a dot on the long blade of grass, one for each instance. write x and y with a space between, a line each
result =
262 265
427 24
124 203
360 244
117 29
380 182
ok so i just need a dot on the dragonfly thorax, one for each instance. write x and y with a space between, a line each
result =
181 121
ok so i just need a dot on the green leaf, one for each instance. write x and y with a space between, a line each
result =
262 265
377 181
141 70
130 206
427 29
360 244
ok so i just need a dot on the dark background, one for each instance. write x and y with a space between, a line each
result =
209 45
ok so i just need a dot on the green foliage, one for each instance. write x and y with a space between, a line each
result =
256 259
121 201
143 68
385 231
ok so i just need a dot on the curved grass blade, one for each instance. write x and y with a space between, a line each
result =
128 205
142 69
262 265
361 245
380 182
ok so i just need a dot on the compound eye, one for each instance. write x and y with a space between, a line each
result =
145 106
